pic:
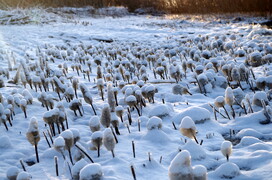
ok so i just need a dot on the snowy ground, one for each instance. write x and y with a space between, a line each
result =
149 35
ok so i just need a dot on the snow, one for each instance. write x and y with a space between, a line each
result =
199 171
160 111
12 172
55 47
197 114
77 168
23 176
91 171
227 170
154 123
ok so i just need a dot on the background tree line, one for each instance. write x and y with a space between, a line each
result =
169 6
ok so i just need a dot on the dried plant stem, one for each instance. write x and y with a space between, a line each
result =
195 139
70 156
81 150
56 165
114 135
36 152
22 164
93 109
133 172
174 125
50 136
133 149
226 112
46 140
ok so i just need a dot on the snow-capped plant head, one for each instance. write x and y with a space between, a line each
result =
96 139
187 127
12 173
226 149
261 83
76 134
68 137
94 123
131 100
105 116
200 172
91 172
32 134
235 74
108 140
229 97
154 123
180 167
177 89
77 167
219 102
59 144
258 97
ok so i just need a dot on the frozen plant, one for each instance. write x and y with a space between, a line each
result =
100 86
94 123
258 97
119 112
105 118
75 105
180 167
229 99
226 149
109 141
187 128
23 105
220 102
115 122
111 97
69 141
33 135
77 168
96 139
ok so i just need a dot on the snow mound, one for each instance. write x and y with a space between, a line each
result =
200 172
198 115
197 152
161 111
91 171
227 171
248 140
156 136
77 167
5 142
154 123
12 172
249 132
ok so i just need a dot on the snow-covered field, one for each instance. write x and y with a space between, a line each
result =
169 75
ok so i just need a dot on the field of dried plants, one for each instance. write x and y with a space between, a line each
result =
102 94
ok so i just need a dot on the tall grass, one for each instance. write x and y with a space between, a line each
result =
170 6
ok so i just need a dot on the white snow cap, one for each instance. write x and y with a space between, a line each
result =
75 132
78 166
67 134
154 123
199 171
94 121
59 142
97 134
226 148
187 123
181 160
91 171
131 98
220 99
107 133
12 172
229 93
227 171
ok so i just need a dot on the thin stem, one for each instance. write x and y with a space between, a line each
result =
226 112
36 151
81 150
46 140
56 165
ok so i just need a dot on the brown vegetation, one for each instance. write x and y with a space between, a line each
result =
170 6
